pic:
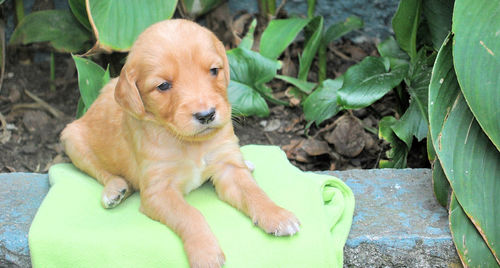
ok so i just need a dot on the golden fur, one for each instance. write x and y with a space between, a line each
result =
137 137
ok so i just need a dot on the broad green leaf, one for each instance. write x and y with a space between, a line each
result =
476 54
469 159
438 15
247 41
337 30
431 153
246 101
440 184
322 103
405 24
117 23
389 48
311 47
58 27
80 12
471 249
252 70
368 81
91 78
195 8
80 109
412 123
418 79
399 151
279 34
304 86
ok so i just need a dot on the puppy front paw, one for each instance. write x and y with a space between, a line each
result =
204 253
114 192
277 221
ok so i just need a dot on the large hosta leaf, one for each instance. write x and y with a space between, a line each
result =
438 15
246 101
469 159
405 24
117 23
250 71
322 103
368 81
58 27
279 34
440 184
470 245
80 12
476 54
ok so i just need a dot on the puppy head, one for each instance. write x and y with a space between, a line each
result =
177 75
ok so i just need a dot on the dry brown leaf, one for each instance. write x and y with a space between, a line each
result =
314 147
348 137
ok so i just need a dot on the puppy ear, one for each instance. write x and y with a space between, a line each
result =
222 52
127 95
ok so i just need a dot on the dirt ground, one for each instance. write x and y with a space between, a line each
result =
32 117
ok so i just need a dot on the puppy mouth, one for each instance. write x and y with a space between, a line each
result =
205 131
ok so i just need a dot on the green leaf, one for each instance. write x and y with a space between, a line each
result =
389 48
368 81
304 86
476 52
469 159
80 12
440 184
311 47
246 101
412 123
438 15
196 8
58 27
322 103
247 41
80 109
405 24
470 246
399 151
337 30
279 34
117 23
91 78
252 70
418 80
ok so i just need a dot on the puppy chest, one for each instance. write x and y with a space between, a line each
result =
195 174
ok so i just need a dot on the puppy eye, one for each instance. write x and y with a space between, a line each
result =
214 71
164 86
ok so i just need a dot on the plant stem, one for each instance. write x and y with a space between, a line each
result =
52 72
19 10
311 6
267 7
322 62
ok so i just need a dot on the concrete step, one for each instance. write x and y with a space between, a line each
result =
397 221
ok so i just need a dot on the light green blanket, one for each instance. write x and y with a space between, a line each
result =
71 229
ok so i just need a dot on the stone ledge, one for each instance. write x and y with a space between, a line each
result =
397 221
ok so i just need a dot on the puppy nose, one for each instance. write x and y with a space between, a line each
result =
205 117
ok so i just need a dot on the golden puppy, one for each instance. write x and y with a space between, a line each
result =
164 127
